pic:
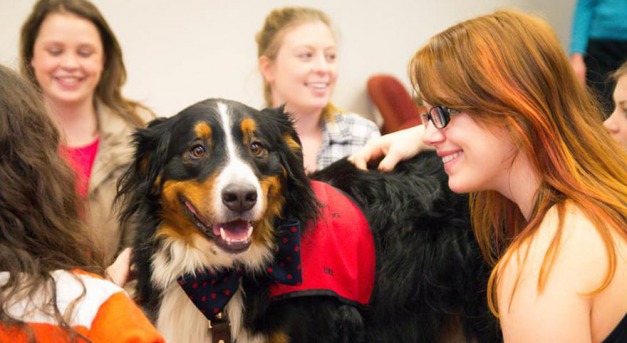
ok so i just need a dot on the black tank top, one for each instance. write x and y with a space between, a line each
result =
619 335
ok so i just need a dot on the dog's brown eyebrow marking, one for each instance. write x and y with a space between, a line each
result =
248 126
203 130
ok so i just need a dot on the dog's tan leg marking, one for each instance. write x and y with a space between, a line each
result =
453 332
278 337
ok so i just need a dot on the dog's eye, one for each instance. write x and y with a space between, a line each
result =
257 149
198 151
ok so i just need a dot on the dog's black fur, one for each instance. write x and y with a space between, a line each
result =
430 276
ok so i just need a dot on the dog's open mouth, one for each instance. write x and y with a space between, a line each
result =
233 237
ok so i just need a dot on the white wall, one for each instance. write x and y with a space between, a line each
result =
180 52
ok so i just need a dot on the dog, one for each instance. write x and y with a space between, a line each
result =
431 277
235 242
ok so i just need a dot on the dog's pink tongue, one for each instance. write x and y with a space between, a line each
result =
238 230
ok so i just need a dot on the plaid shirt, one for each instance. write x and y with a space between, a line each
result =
342 137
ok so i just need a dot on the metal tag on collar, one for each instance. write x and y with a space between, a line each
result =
220 329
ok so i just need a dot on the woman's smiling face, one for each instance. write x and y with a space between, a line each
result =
68 58
304 72
475 157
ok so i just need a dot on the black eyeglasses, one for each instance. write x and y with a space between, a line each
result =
440 116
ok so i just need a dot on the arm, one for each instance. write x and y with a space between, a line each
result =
579 66
394 147
579 38
120 271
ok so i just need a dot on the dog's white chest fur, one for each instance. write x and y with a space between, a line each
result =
181 322
178 319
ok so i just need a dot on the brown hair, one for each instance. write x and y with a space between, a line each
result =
508 69
109 89
270 39
41 229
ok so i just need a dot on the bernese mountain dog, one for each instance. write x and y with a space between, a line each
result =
236 243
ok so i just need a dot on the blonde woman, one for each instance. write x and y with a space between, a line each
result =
298 61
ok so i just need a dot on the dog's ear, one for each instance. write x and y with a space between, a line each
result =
140 184
292 152
151 148
285 122
301 203
151 151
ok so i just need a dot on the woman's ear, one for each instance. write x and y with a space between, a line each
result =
266 67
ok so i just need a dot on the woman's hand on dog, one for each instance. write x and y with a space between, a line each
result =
120 271
393 147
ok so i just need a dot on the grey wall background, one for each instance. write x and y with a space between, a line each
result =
180 52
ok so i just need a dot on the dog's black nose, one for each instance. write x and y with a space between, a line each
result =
239 198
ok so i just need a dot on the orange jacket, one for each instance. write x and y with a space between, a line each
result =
104 314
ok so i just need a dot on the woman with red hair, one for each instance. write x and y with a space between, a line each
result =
548 184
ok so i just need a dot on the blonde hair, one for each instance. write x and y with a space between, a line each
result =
621 71
508 69
270 39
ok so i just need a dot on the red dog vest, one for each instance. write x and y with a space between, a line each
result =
338 255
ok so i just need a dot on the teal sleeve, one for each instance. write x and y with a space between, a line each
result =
581 25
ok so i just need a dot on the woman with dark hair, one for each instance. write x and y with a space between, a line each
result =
51 288
69 52
517 131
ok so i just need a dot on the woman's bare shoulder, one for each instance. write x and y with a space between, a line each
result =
552 273
573 247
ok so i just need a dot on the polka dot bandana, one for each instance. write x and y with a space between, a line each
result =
287 266
210 291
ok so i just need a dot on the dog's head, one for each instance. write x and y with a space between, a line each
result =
217 176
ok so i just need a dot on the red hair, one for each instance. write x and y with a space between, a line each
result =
507 69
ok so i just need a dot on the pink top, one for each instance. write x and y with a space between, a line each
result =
81 159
